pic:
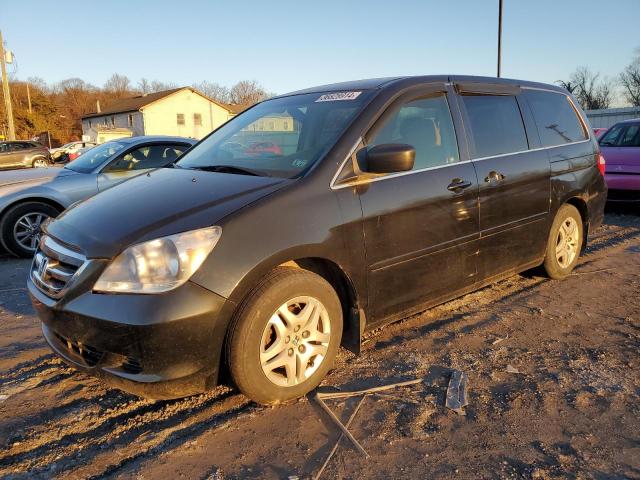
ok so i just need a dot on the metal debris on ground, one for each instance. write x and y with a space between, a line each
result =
498 340
457 392
512 369
321 397
599 270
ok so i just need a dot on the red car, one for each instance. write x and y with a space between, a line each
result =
599 131
263 148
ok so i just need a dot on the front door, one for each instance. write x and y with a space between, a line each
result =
421 226
514 183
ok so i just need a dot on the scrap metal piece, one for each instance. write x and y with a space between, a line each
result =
355 393
341 426
319 398
457 392
337 444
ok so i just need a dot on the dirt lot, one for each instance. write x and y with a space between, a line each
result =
571 411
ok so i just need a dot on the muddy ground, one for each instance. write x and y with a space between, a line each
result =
572 409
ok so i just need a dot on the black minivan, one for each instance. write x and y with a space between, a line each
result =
309 219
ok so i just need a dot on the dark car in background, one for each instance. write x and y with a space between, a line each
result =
387 196
23 154
29 198
620 146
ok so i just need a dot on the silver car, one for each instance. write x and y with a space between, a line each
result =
29 197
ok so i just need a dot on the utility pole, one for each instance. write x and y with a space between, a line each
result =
29 98
5 91
499 36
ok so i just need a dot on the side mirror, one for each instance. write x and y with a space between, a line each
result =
389 158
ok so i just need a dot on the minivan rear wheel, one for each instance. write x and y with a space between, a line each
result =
565 242
285 336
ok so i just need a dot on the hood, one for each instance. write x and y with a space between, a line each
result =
159 203
623 156
30 175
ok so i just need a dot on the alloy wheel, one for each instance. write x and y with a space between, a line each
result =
40 163
567 242
295 341
26 231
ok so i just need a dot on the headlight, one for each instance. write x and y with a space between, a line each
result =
159 265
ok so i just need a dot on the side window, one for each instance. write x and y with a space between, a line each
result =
148 156
17 146
426 125
4 147
630 136
556 118
496 124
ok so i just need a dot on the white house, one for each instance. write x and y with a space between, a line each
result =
182 112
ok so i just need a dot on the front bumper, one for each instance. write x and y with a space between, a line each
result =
156 346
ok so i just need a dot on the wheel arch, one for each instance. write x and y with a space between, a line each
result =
53 203
350 299
38 156
352 314
583 209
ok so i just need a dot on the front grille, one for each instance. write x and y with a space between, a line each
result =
90 355
54 267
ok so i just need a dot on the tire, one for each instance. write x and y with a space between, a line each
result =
40 162
15 215
564 243
253 337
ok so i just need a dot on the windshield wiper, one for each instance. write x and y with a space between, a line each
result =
230 169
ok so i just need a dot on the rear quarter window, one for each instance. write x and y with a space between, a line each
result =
556 118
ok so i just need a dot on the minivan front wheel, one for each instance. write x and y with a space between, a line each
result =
285 336
565 242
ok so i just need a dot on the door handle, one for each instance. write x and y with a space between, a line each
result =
494 176
457 184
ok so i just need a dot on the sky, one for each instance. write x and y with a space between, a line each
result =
288 45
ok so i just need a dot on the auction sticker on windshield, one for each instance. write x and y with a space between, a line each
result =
333 97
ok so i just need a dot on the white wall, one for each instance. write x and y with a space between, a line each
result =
160 117
121 120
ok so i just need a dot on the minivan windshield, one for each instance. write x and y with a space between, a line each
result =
90 159
281 137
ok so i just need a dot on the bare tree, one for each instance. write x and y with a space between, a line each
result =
592 92
158 86
570 87
247 92
151 86
144 86
118 86
630 80
215 91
